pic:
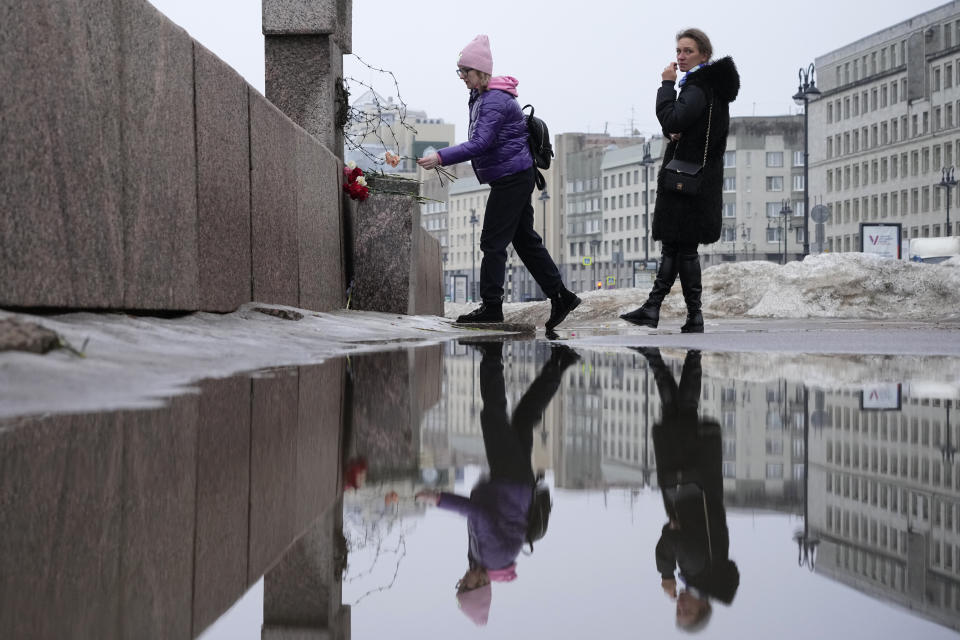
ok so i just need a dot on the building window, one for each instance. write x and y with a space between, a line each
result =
798 158
774 183
729 159
730 184
774 158
798 183
729 209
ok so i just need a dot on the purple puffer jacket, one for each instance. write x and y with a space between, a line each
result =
496 513
498 133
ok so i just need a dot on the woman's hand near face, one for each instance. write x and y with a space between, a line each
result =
669 73
429 162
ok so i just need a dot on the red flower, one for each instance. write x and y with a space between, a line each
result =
356 191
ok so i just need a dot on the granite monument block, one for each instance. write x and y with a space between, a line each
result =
301 76
61 167
322 286
158 155
223 183
273 213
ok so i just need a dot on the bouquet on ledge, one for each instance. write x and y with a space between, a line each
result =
355 184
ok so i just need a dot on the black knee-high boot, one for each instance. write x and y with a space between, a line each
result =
648 314
690 280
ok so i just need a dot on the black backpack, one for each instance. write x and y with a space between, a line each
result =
540 146
539 514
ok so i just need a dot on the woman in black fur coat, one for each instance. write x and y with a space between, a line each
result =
696 122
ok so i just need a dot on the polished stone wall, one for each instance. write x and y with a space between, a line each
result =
138 171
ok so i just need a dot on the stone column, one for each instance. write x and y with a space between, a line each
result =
305 43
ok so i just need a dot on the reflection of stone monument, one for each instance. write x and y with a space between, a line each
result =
152 523
391 391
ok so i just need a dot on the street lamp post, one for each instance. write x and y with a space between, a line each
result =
473 254
594 245
948 182
544 196
785 212
646 162
948 450
806 93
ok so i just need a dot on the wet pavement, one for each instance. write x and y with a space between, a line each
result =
738 488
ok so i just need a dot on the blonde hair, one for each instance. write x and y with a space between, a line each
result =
703 42
484 79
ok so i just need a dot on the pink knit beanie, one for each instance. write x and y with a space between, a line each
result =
475 604
476 55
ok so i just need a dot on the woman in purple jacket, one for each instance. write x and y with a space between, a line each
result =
500 154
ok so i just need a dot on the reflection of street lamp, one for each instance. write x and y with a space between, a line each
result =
948 182
473 254
646 162
544 196
806 543
805 93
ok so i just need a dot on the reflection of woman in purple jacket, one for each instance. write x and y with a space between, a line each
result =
498 507
500 154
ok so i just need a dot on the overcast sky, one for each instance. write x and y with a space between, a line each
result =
586 66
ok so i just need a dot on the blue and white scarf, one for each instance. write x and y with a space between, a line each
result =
683 80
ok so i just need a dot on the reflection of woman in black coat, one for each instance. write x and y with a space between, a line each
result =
694 540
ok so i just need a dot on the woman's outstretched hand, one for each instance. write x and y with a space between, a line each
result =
669 72
429 162
427 497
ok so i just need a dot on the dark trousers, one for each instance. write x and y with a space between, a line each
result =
509 218
509 441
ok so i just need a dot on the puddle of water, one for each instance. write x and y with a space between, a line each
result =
785 495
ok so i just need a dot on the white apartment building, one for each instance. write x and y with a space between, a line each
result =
887 123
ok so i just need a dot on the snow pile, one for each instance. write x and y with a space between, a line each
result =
838 285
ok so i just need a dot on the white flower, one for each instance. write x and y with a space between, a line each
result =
351 165
361 181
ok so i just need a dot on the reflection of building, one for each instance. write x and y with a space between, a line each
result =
886 504
885 126
762 426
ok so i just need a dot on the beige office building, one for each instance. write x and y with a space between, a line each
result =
885 127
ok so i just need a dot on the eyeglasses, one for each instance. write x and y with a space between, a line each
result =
463 71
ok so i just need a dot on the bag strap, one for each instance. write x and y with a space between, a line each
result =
706 521
706 143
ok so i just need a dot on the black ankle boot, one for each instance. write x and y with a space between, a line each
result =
561 304
690 280
648 314
694 323
488 312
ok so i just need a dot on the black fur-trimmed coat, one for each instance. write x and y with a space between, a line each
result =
695 219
